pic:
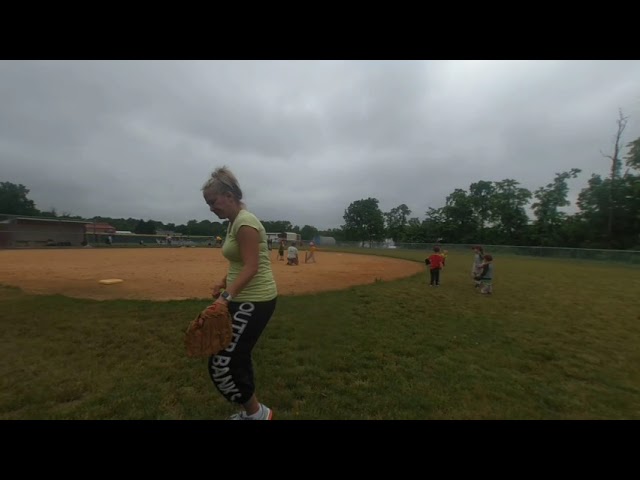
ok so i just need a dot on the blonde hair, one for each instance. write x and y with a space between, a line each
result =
222 180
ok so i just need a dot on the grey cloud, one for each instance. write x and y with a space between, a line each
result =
138 139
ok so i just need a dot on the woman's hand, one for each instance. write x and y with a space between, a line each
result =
217 288
221 300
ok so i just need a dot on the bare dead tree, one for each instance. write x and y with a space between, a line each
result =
616 165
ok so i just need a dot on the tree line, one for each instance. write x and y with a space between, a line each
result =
488 212
494 212
14 200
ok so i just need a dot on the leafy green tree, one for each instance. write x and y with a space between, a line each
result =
53 213
145 228
364 220
633 157
480 194
460 225
508 215
396 222
415 231
308 232
277 226
14 200
616 166
549 220
435 225
594 201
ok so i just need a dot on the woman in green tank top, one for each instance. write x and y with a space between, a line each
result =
248 289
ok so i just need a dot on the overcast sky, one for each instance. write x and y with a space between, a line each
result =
305 139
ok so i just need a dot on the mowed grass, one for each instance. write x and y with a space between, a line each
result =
557 340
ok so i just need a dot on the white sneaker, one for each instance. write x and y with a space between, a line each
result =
266 414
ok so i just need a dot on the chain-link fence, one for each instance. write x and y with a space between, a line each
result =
618 256
41 232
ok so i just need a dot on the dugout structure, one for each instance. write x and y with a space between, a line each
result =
16 232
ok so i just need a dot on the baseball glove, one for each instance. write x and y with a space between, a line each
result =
210 332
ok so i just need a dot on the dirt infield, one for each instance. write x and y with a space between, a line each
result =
179 273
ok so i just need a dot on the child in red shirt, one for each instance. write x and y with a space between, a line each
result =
435 263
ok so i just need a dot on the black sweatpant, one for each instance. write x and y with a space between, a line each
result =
435 276
231 370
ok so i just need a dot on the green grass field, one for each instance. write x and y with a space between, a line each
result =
557 340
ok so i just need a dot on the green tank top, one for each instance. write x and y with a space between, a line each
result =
262 286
